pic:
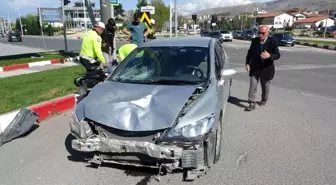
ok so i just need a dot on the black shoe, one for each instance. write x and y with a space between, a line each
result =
250 107
262 103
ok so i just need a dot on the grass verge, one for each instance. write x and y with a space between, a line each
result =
317 41
33 57
25 90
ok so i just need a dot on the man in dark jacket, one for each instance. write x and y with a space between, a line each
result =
108 38
260 65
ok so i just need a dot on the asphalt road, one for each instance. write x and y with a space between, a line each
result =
289 141
51 43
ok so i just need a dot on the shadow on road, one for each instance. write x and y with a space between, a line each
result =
238 102
147 173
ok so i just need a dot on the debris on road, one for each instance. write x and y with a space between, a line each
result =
20 125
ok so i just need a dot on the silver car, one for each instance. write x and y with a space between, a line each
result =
162 107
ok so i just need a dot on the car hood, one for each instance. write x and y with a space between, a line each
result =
134 107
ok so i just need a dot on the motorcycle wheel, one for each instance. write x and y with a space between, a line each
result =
79 81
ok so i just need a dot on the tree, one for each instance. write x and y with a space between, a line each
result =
119 13
161 13
31 24
140 4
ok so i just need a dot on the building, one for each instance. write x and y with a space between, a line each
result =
275 19
303 11
298 16
76 17
314 21
332 12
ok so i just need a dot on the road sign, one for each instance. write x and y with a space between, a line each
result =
150 9
51 15
114 2
145 18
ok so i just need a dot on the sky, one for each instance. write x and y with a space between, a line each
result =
185 6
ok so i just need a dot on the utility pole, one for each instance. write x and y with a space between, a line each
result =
242 21
170 18
176 24
85 22
20 21
64 26
325 27
105 10
114 54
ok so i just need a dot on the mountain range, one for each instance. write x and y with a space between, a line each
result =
270 6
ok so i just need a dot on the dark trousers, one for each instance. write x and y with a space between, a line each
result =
265 87
92 68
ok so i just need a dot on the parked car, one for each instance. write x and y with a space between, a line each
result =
237 34
14 36
162 107
249 35
204 33
216 35
284 39
226 35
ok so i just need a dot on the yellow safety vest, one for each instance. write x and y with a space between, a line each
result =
126 49
91 46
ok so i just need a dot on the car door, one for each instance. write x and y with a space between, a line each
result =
219 78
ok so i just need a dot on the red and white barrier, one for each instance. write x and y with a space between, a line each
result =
35 64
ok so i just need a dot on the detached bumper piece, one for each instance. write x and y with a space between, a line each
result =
21 124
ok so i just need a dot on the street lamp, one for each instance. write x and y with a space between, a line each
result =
326 24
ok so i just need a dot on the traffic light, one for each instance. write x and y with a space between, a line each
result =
66 2
213 18
194 17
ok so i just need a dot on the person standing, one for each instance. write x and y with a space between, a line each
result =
108 38
260 59
136 30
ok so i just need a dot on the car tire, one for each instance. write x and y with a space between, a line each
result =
293 45
218 145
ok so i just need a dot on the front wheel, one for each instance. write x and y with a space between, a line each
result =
218 145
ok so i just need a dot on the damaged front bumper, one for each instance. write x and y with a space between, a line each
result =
106 145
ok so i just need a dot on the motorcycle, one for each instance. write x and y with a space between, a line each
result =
91 78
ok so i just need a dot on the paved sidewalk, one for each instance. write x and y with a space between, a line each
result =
35 69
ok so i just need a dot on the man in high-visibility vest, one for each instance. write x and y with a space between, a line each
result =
91 55
125 49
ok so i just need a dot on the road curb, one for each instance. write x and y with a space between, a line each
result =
57 106
36 64
45 110
322 46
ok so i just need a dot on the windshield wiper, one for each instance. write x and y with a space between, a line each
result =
168 81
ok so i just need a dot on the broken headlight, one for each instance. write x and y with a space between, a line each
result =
193 130
81 128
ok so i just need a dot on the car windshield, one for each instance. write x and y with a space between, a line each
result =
164 65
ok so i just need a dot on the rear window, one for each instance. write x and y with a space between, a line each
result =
15 32
224 32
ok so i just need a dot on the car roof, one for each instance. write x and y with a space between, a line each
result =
180 41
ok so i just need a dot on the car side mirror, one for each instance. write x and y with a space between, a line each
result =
226 73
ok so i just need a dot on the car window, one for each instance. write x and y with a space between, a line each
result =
168 63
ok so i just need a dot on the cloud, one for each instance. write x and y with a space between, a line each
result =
196 5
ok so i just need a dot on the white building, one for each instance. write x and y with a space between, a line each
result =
76 18
315 21
275 19
298 16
